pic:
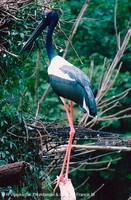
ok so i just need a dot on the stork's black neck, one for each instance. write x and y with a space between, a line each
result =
49 45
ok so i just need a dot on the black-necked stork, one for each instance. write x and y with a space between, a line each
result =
67 81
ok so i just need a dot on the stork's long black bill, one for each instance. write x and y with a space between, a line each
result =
41 26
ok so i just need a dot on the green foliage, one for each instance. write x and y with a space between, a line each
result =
21 88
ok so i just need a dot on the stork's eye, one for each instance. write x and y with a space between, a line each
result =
45 15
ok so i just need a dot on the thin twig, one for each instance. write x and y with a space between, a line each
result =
118 113
82 183
114 118
121 95
5 50
115 24
93 194
106 84
75 26
41 100
64 55
105 148
37 75
112 66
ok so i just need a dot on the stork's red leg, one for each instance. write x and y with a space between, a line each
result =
62 177
72 132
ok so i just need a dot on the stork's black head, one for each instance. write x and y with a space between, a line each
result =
49 19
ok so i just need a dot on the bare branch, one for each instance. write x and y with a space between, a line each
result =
64 55
82 183
105 148
114 118
75 26
93 194
118 113
114 98
115 24
37 75
41 100
2 48
104 85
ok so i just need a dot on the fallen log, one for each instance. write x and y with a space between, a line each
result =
12 173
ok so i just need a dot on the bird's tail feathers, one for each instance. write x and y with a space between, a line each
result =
90 102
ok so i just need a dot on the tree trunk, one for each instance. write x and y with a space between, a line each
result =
11 174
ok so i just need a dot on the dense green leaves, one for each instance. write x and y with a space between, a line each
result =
24 80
